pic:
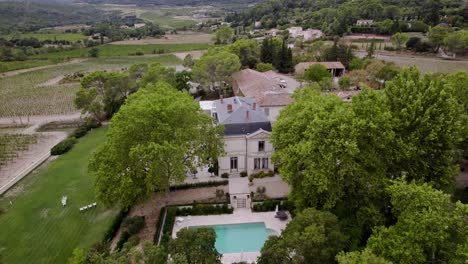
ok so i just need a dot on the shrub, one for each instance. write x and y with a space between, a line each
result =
123 238
91 123
344 82
63 147
389 48
243 174
225 175
79 132
198 185
134 224
264 67
110 233
204 209
413 42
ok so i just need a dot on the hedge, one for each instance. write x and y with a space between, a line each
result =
159 225
270 205
204 209
123 238
112 230
168 225
198 185
134 224
63 147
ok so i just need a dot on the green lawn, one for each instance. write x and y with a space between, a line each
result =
36 228
110 50
48 36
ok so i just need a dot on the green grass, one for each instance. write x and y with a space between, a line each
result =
37 228
18 65
48 36
26 93
110 50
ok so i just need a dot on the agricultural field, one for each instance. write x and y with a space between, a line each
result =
48 36
40 229
424 64
40 92
7 66
11 144
180 38
110 50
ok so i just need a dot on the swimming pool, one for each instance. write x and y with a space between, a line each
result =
236 238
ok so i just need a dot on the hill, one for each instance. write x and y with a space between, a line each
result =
30 16
337 16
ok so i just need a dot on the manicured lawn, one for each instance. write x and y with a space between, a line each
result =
37 228
109 50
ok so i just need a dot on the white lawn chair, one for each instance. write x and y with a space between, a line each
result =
64 200
94 204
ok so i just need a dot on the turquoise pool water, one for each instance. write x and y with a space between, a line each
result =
236 238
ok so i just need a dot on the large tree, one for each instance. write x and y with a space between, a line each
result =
195 246
428 124
311 237
248 52
153 141
215 67
430 228
360 257
224 35
102 93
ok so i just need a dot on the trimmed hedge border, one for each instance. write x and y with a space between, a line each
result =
173 211
67 144
270 205
198 185
112 230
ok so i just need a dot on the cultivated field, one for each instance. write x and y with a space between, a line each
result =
48 36
110 50
40 229
425 64
33 93
181 38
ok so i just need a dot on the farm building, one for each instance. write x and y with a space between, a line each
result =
336 68
272 91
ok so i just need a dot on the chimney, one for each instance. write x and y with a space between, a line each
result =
229 108
254 107
221 99
247 115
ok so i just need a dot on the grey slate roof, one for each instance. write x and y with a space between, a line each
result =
237 122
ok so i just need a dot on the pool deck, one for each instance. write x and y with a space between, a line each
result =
240 216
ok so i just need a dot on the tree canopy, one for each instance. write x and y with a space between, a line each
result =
153 141
195 246
311 237
430 228
215 67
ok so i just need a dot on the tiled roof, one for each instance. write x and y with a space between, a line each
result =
268 88
239 117
301 67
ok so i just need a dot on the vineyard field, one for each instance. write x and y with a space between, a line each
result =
31 93
12 144
110 50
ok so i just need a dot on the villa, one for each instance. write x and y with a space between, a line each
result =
246 135
308 34
272 91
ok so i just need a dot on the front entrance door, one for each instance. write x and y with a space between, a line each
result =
241 203
233 164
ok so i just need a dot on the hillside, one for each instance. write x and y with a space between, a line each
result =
336 16
29 16
240 3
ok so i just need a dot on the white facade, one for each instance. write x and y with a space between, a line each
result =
250 153
272 112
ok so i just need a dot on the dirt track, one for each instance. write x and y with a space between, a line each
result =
12 73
